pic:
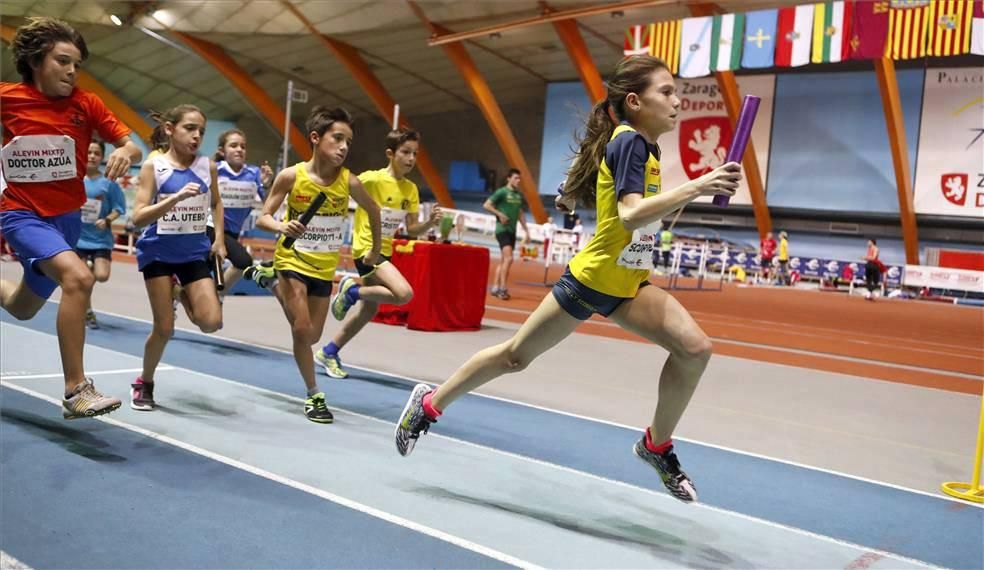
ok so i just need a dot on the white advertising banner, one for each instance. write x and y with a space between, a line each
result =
950 165
943 278
701 139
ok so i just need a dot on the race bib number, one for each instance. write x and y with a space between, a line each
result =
324 235
39 158
639 253
90 211
187 217
237 193
391 220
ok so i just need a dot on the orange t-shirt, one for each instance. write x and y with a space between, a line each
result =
26 112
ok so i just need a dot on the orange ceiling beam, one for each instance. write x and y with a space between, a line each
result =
359 69
86 81
255 94
443 36
728 87
571 37
888 86
493 115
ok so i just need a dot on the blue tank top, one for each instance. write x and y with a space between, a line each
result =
179 235
239 191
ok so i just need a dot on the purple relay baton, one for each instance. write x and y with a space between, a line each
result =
749 107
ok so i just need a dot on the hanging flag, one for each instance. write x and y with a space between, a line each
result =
666 44
949 27
726 35
907 28
695 46
869 30
831 31
638 40
977 36
794 35
760 39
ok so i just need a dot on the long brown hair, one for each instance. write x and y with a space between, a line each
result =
631 75
159 139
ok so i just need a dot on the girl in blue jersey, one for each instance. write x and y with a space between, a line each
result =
104 204
177 190
240 185
617 170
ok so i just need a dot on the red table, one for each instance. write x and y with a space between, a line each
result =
449 283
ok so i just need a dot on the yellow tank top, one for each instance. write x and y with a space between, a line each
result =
617 260
396 199
316 253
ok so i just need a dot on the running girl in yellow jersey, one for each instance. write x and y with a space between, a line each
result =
617 170
306 269
399 201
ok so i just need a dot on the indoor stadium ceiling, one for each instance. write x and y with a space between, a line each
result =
147 65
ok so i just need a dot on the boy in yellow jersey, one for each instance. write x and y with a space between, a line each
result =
784 258
306 269
399 201
617 168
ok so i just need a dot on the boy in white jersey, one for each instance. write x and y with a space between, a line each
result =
399 202
617 168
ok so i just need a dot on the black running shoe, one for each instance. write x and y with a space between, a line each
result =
316 409
142 396
413 421
668 467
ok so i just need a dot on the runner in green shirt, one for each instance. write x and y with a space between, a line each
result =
509 206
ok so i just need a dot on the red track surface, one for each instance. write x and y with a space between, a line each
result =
910 342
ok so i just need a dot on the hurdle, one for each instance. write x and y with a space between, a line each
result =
972 491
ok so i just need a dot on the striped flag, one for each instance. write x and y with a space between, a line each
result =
869 30
638 40
949 27
695 47
726 40
795 32
977 37
831 31
666 43
907 27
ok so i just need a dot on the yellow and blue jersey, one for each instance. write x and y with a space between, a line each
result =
317 252
617 260
396 199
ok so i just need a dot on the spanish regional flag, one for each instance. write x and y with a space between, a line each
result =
638 40
666 43
908 22
949 27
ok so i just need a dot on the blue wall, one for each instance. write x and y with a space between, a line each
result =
567 107
830 148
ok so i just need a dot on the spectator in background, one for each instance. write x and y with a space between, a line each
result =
784 258
509 206
872 269
767 250
571 219
665 246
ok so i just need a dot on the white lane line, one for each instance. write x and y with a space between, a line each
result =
414 381
321 493
8 562
18 375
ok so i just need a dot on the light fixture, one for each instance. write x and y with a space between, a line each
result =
617 14
115 19
495 36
